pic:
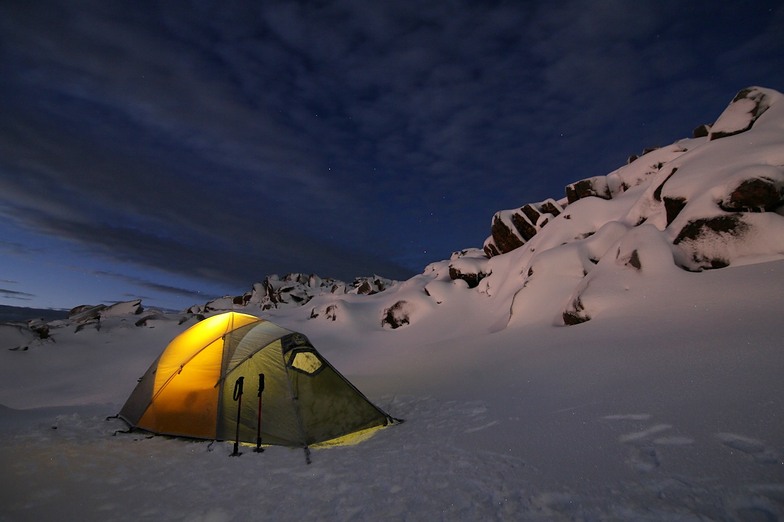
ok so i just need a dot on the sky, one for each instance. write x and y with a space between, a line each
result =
180 151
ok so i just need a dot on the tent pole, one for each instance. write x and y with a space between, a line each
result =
295 402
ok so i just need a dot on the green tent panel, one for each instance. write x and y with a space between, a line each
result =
189 389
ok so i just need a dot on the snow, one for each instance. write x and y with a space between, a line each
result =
665 405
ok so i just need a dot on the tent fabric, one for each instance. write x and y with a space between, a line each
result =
189 389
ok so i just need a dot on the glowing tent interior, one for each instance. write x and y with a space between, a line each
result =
191 389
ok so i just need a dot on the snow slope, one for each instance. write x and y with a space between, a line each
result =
664 403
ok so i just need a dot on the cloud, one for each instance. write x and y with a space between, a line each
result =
14 294
155 286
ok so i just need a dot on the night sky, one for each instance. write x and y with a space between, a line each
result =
178 151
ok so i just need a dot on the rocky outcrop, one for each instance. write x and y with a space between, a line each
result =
293 290
511 229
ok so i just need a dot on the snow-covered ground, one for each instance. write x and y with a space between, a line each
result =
664 404
670 411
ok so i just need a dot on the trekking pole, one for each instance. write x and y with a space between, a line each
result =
259 449
238 398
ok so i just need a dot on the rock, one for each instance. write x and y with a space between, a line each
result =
511 229
330 312
739 116
524 226
370 285
596 187
702 131
672 207
40 329
472 278
701 237
397 315
575 314
123 308
84 313
469 265
505 238
490 249
658 191
759 194
634 260
550 206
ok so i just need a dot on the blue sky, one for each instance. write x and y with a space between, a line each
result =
177 151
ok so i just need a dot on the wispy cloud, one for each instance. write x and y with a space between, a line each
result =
14 294
196 295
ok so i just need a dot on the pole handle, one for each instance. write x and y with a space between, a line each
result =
238 388
261 383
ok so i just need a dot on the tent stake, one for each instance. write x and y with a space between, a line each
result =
259 449
238 398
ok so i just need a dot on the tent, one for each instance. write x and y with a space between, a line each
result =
191 389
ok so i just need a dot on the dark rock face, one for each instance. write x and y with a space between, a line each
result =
526 222
524 226
657 193
504 238
672 207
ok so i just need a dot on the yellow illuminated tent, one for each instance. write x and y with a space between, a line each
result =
190 389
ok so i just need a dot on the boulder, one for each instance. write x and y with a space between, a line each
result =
757 194
700 236
397 315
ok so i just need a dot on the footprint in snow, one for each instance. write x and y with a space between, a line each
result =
644 458
752 447
482 427
629 416
643 455
644 434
